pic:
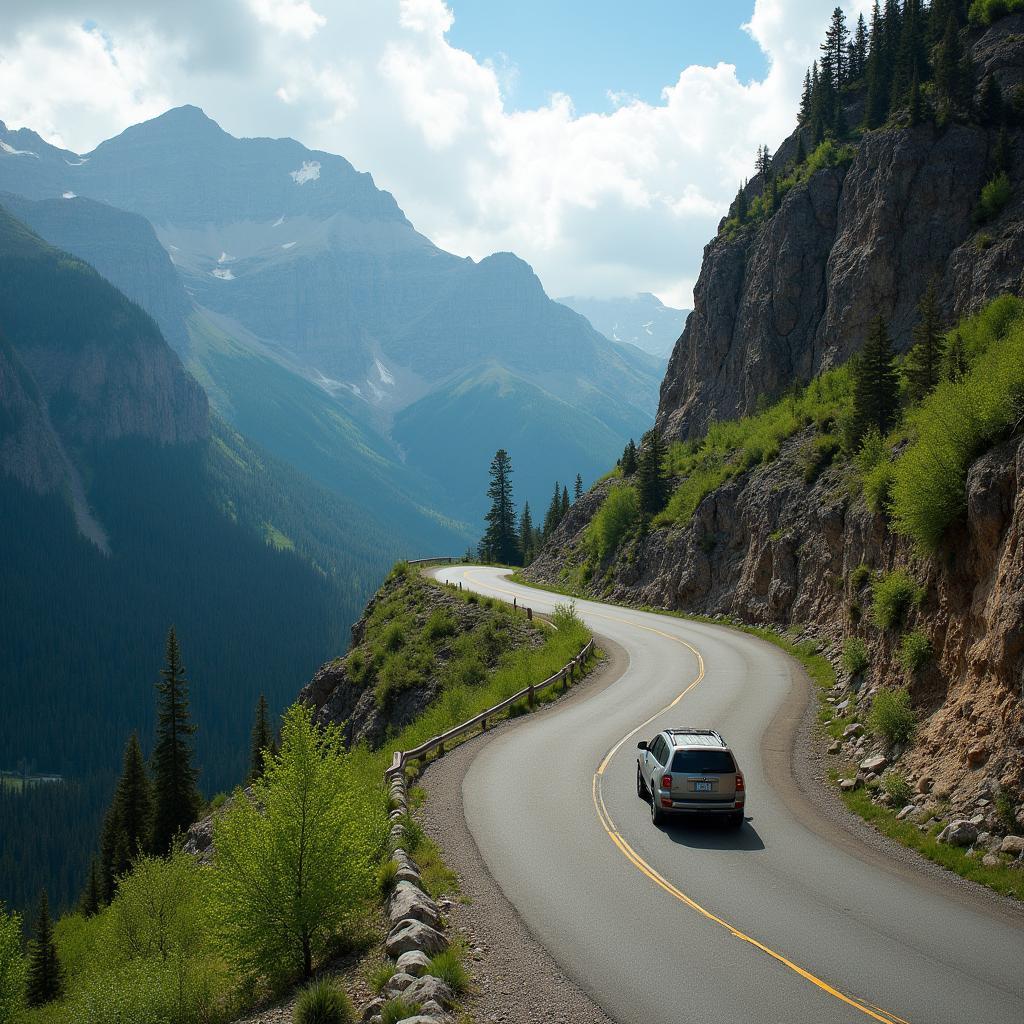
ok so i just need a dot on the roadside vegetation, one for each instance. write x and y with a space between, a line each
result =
301 857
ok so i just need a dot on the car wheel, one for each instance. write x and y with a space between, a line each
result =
641 788
736 820
657 815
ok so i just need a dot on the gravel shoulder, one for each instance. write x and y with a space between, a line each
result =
516 978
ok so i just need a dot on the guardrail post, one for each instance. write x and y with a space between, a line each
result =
529 614
531 699
483 725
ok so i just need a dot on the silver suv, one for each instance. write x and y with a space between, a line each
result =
690 771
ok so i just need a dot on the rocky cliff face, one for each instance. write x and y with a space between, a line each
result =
795 295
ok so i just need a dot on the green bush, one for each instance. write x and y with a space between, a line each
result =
994 197
398 1009
984 12
323 1002
387 877
440 625
860 576
819 455
855 655
448 966
12 965
892 716
957 422
380 976
896 785
915 651
892 597
618 514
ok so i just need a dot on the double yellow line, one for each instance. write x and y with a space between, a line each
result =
868 1009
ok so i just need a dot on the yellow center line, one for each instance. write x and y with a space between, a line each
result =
869 1009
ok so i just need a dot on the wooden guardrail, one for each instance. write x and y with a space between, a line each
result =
440 559
564 674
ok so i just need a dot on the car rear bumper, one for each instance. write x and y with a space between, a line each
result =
702 807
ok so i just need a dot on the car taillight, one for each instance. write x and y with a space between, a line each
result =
739 783
666 782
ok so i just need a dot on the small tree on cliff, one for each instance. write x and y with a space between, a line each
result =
628 461
262 741
177 798
875 385
500 538
45 981
923 366
651 478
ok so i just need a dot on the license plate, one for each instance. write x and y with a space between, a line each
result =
702 787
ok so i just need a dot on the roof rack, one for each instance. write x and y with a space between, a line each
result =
697 732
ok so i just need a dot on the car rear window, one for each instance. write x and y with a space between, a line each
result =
703 762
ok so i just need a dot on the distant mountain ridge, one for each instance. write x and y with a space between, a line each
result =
642 320
300 260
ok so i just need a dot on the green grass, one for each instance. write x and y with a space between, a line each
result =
892 716
398 1009
1003 879
617 516
855 655
859 576
449 966
896 785
323 1002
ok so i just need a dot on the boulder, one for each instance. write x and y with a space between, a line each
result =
1013 845
876 763
959 833
410 903
990 860
977 755
428 988
853 729
373 1009
847 785
906 812
414 962
834 748
414 935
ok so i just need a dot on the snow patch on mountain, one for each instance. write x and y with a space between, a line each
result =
280 220
309 171
287 245
69 195
384 373
225 258
76 163
223 274
27 152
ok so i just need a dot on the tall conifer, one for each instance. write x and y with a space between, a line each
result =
526 534
651 478
262 740
45 981
500 537
875 384
92 896
177 799
577 490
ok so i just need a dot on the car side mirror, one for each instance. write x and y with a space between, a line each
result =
642 745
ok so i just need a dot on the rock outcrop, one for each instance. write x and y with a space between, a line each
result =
794 296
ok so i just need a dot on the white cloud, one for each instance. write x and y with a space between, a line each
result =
599 203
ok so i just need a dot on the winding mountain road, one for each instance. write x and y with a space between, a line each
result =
791 919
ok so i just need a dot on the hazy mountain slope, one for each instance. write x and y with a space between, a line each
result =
322 271
641 320
193 526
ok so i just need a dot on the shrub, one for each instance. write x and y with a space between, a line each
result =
618 514
1005 811
915 650
892 716
448 966
855 655
994 197
441 624
818 455
984 12
565 616
896 785
467 670
12 965
387 877
892 597
878 486
394 635
860 576
323 1002
295 865
380 976
398 1009
957 422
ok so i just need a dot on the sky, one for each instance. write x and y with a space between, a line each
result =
601 141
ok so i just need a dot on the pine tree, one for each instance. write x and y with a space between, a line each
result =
859 50
875 384
526 534
805 100
177 799
651 478
262 741
949 64
739 204
833 50
629 459
923 363
876 107
45 976
954 359
133 799
763 161
113 853
565 504
92 896
801 153
554 513
577 490
990 102
500 537
915 102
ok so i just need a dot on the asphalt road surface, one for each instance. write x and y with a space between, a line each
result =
781 921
